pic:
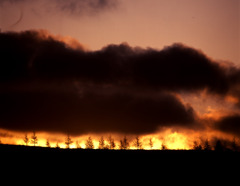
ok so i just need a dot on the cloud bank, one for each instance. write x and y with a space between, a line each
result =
47 85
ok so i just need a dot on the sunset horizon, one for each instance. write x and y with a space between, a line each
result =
160 70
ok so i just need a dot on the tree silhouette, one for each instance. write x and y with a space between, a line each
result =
77 145
138 143
48 143
111 142
101 143
218 146
34 139
206 146
197 146
234 145
68 141
57 146
150 143
26 140
89 143
163 146
124 144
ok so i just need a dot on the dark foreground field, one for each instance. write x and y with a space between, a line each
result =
117 164
18 152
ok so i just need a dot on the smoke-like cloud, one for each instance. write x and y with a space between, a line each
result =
48 85
69 7
92 112
79 7
174 68
229 124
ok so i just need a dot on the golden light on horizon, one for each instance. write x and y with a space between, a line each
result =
172 140
149 71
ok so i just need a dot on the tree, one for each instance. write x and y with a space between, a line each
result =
34 139
150 143
68 141
111 142
47 143
101 143
77 145
138 143
26 140
218 146
89 143
57 146
163 146
124 144
197 146
234 145
206 145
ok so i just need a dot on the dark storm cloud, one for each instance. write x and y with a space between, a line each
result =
92 112
79 7
46 85
70 7
229 124
31 54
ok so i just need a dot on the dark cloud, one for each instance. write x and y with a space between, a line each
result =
69 7
92 112
79 7
175 68
180 68
47 85
229 124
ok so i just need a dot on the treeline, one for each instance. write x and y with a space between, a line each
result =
217 145
110 143
124 144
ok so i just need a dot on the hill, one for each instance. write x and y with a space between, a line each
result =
119 164
119 155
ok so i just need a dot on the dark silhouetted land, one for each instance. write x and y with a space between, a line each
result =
115 163
97 155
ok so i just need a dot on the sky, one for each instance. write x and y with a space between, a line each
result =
165 69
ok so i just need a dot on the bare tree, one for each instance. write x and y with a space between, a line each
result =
48 143
68 141
89 143
124 144
138 143
26 140
77 145
197 146
163 146
150 143
57 146
101 143
206 145
234 144
218 146
111 142
34 139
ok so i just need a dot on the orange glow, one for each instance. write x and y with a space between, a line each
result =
232 99
208 26
172 139
68 40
